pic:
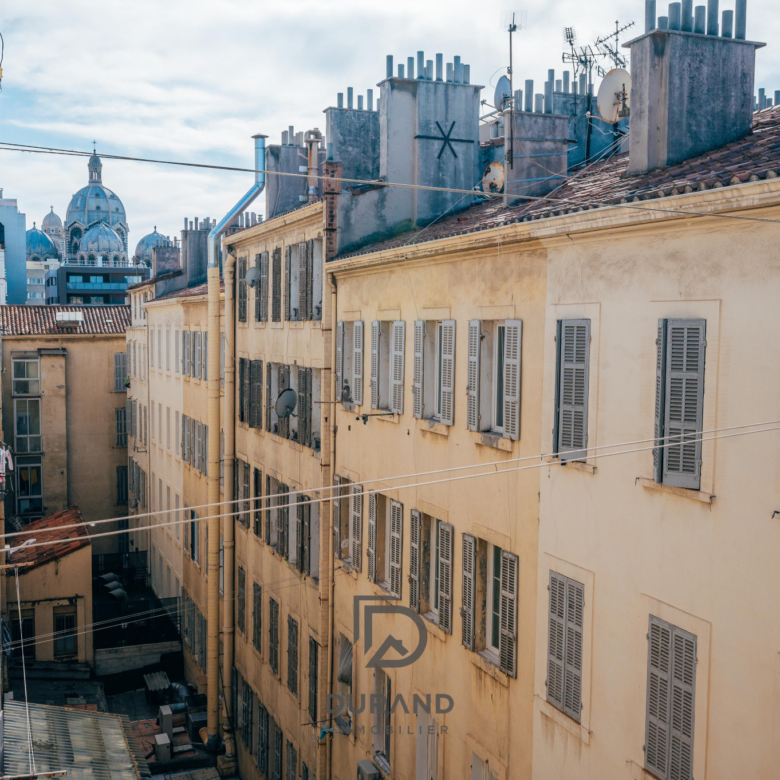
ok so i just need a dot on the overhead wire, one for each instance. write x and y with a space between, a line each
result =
24 676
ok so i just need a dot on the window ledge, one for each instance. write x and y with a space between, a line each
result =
395 418
295 445
494 440
296 324
428 619
574 465
259 324
431 426
696 495
487 666
564 721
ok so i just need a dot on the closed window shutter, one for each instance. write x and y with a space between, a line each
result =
682 701
508 614
572 693
257 616
247 392
684 402
259 504
305 543
339 360
446 534
287 282
659 662
414 560
119 371
313 675
241 600
660 406
245 505
292 655
357 363
283 523
310 279
283 384
276 286
375 364
273 637
262 292
336 510
574 376
241 283
206 450
205 355
256 394
417 380
268 504
371 552
268 400
262 739
187 352
513 351
397 367
304 282
556 642
241 388
295 531
356 531
304 406
448 372
198 355
469 589
278 739
472 388
396 546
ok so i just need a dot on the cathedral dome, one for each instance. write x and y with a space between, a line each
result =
39 245
101 239
144 249
95 202
51 220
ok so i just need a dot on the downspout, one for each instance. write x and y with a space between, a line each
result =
212 480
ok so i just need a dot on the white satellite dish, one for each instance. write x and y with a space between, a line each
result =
493 178
285 403
502 94
252 276
614 98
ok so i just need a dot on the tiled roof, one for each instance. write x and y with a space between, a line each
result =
155 279
42 320
49 529
190 292
752 158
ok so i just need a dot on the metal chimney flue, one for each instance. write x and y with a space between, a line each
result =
649 15
675 16
727 24
740 20
712 17
686 24
700 20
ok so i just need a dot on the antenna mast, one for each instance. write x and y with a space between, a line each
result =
511 21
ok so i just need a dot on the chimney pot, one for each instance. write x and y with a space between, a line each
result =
467 74
185 223
559 85
777 97
340 100
450 76
360 102
529 95
410 67
350 94
518 104
686 23
727 24
649 15
566 81
663 22
420 65
712 17
389 72
429 70
457 67
700 20
439 67
285 137
400 71
370 98
291 135
548 97
740 20
761 99
583 84
675 16
538 104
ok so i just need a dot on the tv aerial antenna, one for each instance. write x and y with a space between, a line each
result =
609 46
511 22
581 58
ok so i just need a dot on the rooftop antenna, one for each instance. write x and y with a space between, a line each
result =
511 22
610 48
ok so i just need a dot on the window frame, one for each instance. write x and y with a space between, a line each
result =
26 437
66 645
493 618
14 379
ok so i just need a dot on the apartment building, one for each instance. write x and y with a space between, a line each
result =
64 415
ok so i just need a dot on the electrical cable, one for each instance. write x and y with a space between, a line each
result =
24 675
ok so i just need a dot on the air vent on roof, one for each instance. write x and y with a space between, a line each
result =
69 319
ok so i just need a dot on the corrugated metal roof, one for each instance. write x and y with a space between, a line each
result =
42 320
88 745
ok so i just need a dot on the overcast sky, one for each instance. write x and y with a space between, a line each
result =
192 81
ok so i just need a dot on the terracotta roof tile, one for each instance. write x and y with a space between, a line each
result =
50 529
42 320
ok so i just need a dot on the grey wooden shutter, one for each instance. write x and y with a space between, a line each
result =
314 649
287 281
246 492
237 488
283 522
415 553
658 679
241 600
371 552
336 511
397 367
513 351
262 739
205 354
283 382
258 288
446 535
472 387
246 392
396 546
574 377
295 544
572 688
268 400
356 530
256 394
660 405
198 355
305 406
305 544
339 360
357 362
263 290
556 641
508 614
242 288
187 335
310 279
469 590
417 386
682 704
206 450
304 282
448 372
268 505
292 656
276 286
120 371
375 364
684 402
257 616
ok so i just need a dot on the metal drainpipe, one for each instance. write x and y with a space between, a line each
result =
212 480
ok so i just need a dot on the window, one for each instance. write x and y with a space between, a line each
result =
671 695
26 378
121 426
564 653
434 370
344 680
241 600
177 358
493 388
247 707
120 371
159 349
382 719
349 362
263 738
23 633
305 549
168 349
186 353
27 420
121 485
151 347
385 538
292 761
241 477
261 291
194 537
273 636
314 654
292 655
257 616
65 644
387 365
430 590
679 402
197 354
244 389
480 769
241 289
176 436
258 503
570 437
168 427
254 398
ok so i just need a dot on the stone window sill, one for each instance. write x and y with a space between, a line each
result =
430 623
574 465
487 665
577 730
431 426
494 440
696 495
394 418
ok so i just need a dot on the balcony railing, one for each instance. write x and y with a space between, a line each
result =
97 285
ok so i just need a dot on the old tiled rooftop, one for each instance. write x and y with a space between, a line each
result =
50 529
42 320
603 183
190 292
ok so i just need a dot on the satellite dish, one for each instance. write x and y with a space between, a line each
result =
502 94
493 178
614 98
252 276
285 403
